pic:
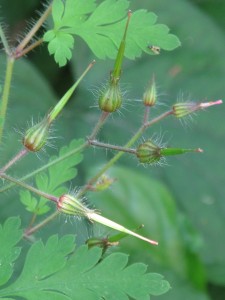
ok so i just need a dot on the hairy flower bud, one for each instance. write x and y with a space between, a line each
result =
36 136
111 99
148 152
182 109
150 95
70 205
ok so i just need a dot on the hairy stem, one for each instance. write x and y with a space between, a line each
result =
98 126
113 147
28 187
4 41
146 114
28 49
5 94
16 158
32 32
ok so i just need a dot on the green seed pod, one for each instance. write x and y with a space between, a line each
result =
148 153
150 95
36 136
111 99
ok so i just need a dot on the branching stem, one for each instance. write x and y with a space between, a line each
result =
20 48
28 187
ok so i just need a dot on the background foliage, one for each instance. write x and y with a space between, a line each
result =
182 204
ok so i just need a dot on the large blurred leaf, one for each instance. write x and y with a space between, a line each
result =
136 199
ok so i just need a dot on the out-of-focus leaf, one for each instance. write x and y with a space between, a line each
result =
137 199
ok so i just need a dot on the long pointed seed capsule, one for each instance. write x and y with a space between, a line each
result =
177 151
36 136
100 219
62 102
111 97
71 205
119 59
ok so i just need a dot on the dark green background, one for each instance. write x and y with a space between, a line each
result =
182 203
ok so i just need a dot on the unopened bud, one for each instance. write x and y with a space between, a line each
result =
70 205
111 99
182 109
150 94
103 183
148 153
36 136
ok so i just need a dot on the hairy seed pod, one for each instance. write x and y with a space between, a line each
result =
111 99
148 153
36 136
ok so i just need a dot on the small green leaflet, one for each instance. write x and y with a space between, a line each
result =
102 27
54 271
52 181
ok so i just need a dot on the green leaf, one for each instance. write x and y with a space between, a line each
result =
27 200
57 175
61 45
48 273
10 235
102 29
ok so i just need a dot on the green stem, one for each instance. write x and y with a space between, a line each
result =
4 41
32 32
5 94
29 187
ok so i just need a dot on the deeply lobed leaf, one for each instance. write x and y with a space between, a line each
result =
51 271
102 27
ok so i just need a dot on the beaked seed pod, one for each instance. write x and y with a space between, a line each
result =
111 99
148 153
36 136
